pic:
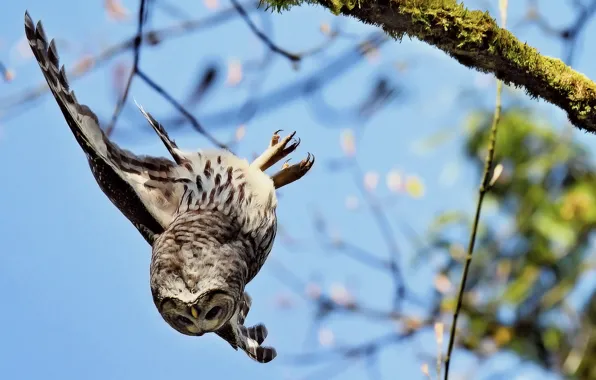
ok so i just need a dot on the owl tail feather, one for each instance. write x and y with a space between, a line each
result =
250 340
170 144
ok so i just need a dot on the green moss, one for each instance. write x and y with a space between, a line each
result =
492 49
335 6
576 87
283 5
433 18
475 40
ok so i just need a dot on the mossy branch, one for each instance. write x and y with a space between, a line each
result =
475 40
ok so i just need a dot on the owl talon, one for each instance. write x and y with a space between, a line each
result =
275 138
150 191
293 173
278 149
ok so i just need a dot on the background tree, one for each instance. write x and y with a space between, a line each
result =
363 281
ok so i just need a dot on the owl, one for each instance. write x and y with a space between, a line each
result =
209 216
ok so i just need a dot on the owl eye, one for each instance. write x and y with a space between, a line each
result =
182 320
213 313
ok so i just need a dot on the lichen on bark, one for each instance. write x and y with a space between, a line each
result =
475 40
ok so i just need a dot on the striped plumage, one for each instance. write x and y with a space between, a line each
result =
209 216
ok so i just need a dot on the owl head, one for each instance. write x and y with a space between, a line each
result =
195 314
193 289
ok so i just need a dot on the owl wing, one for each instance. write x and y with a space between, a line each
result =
145 189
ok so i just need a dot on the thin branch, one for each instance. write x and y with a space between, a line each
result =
484 188
234 115
569 34
351 250
4 73
137 53
195 123
262 36
474 39
485 185
325 304
384 226
357 351
150 38
361 255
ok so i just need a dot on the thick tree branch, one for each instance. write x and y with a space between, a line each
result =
475 40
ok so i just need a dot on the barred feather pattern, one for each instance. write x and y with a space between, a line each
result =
120 174
223 230
249 339
221 236
209 216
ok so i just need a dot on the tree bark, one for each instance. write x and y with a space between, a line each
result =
475 40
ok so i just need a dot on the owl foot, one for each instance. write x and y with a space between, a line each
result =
291 173
278 149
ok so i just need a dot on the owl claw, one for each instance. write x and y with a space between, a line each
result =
278 149
293 173
275 138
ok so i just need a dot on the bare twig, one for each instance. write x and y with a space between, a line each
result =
361 255
384 226
195 123
324 304
357 351
4 73
150 38
474 39
483 189
234 115
273 47
569 34
137 52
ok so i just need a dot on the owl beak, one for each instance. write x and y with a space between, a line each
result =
194 330
194 312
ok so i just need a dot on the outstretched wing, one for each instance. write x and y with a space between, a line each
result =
143 188
147 190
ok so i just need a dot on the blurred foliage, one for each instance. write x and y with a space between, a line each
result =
533 251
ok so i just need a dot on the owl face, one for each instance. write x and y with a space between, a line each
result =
208 313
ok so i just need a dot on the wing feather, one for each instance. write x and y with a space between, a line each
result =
143 188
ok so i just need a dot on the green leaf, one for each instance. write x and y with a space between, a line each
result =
447 218
557 293
429 143
552 227
520 288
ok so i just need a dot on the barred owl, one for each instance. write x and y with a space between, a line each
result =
209 216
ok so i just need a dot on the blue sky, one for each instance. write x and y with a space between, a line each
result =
74 271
